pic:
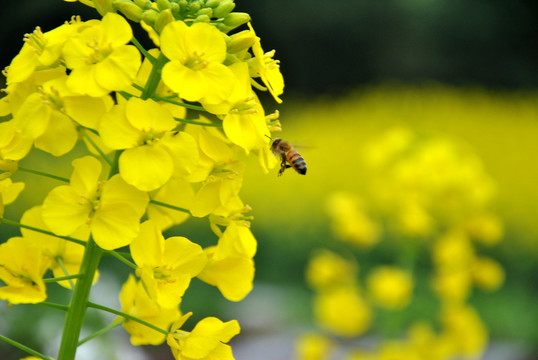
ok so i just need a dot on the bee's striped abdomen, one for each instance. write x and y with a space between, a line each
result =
296 161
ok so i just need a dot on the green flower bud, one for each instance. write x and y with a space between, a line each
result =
205 11
195 6
175 10
165 17
131 11
104 6
163 4
212 3
236 19
225 7
202 18
150 17
143 4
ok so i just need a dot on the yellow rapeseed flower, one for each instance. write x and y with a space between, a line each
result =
21 269
99 59
195 70
135 301
207 341
111 208
165 267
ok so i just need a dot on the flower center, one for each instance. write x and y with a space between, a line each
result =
196 61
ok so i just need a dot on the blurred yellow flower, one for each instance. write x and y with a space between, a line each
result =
313 346
465 330
326 269
350 222
343 311
487 273
390 287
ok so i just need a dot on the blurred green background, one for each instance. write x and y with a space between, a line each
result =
462 70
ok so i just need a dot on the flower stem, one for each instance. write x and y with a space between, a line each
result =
41 173
79 302
188 121
155 202
24 348
89 139
154 77
104 330
127 316
19 225
61 278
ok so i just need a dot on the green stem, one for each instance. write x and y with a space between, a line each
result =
178 103
60 262
144 52
120 258
79 302
89 139
54 305
188 121
61 278
154 77
104 330
24 348
127 316
41 173
155 202
19 225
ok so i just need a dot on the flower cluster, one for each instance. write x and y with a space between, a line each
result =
426 198
163 129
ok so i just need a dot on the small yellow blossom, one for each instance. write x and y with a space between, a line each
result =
232 275
262 65
207 341
64 257
135 301
21 269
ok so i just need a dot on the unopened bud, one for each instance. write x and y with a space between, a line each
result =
205 11
104 6
143 4
225 7
131 11
202 18
163 4
150 17
241 41
236 19
165 17
212 3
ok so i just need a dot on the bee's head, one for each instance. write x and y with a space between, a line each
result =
275 143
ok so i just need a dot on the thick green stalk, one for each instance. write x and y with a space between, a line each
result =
79 302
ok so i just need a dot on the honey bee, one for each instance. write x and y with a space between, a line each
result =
290 157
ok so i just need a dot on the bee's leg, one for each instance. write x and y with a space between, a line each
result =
283 166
